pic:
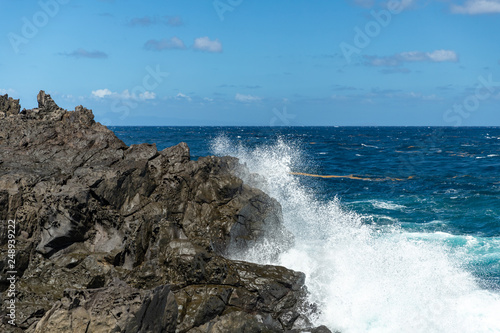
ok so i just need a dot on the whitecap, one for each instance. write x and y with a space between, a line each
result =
369 146
386 205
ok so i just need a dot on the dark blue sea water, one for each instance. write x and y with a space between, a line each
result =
403 233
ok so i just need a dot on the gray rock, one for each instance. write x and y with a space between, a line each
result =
116 308
240 322
129 239
9 106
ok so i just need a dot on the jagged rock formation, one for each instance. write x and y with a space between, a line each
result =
112 238
9 106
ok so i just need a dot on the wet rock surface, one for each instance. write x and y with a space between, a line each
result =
111 238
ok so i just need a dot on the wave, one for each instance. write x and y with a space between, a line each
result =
388 205
365 278
369 146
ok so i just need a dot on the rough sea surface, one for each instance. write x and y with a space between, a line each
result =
403 233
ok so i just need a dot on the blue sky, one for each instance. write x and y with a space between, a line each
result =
242 62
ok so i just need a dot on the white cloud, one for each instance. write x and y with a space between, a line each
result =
147 95
173 43
442 56
82 53
8 91
417 95
376 95
476 7
182 96
246 98
101 93
173 21
207 45
126 94
383 61
401 4
141 21
413 56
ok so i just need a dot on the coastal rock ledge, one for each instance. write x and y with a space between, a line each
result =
111 238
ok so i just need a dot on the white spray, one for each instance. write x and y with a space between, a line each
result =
365 279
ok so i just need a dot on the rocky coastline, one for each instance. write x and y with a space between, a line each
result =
112 238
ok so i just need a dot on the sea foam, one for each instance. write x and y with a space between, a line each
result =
364 278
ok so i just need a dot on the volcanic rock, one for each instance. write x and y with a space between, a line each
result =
9 106
111 238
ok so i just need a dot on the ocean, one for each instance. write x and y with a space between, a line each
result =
396 228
